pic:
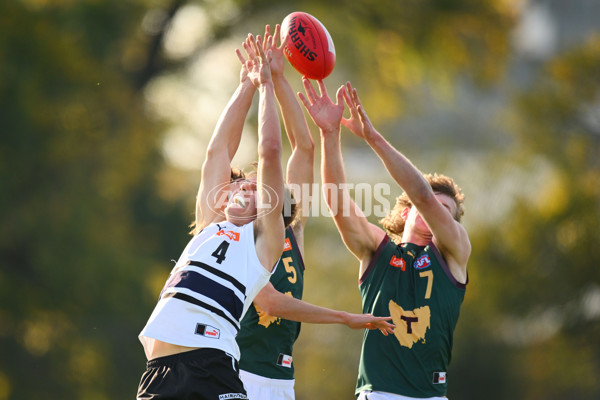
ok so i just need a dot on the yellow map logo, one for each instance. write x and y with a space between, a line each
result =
411 326
265 319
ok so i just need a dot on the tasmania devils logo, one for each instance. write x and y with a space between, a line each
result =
398 263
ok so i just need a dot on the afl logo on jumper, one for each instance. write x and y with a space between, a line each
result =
208 331
422 262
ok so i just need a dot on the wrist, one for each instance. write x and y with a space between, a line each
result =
373 138
278 78
267 85
247 86
330 132
344 318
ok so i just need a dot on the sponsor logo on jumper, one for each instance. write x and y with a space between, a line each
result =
284 360
287 245
229 396
398 263
230 234
439 377
422 262
207 331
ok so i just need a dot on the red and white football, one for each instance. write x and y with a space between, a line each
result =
307 45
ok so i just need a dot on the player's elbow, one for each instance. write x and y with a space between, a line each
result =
307 146
269 305
270 149
422 196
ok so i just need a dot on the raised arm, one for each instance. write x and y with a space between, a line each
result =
360 236
300 166
221 149
448 234
280 305
269 227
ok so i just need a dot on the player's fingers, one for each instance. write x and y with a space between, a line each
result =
239 55
276 36
251 40
348 101
304 101
350 90
248 49
363 115
310 90
340 96
322 87
259 46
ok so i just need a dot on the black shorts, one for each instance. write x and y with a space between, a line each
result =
202 374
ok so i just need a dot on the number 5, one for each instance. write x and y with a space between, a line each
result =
287 263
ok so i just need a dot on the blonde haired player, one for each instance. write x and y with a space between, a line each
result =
420 279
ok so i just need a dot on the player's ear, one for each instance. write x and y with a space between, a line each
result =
404 213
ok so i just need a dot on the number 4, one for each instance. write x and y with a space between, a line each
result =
219 253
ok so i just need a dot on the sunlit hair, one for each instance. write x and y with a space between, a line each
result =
393 223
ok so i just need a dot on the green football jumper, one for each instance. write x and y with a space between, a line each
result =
414 285
266 342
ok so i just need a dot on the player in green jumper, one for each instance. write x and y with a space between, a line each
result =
417 271
272 323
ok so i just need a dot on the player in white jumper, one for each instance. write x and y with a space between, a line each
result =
189 339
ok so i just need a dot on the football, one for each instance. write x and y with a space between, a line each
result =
307 45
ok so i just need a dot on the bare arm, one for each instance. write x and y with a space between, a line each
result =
269 227
449 235
221 150
300 170
360 236
280 305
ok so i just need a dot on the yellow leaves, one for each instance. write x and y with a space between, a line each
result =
43 330
4 387
553 198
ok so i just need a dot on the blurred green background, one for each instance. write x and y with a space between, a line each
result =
106 110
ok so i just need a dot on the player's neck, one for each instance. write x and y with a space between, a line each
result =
420 239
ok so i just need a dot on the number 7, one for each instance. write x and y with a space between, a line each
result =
429 276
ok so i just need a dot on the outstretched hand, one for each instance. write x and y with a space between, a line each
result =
368 321
359 122
321 109
245 66
257 63
277 60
